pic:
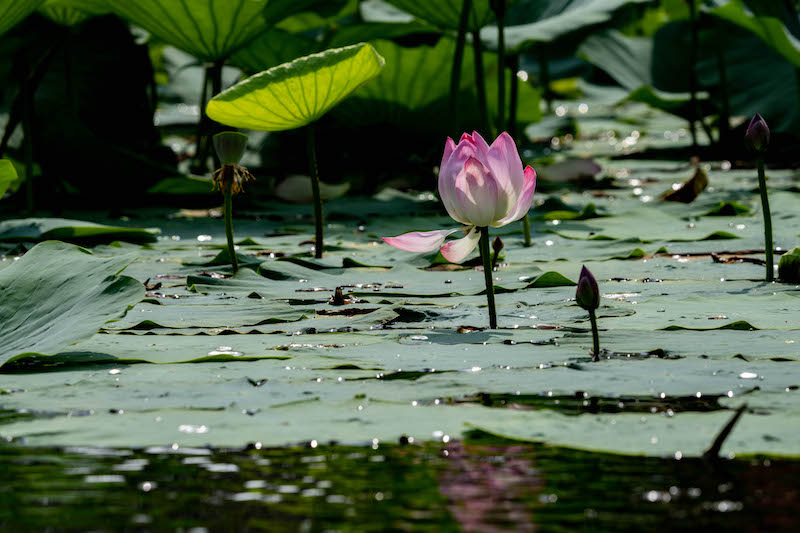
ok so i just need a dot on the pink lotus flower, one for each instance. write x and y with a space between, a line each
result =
480 186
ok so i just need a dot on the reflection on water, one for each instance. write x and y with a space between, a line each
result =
480 485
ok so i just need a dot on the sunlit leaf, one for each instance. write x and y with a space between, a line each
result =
295 94
208 29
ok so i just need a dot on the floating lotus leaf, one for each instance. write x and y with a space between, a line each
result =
13 11
58 294
207 29
297 93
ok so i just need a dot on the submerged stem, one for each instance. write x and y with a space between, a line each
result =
713 452
458 59
762 187
480 83
487 274
526 230
311 147
595 335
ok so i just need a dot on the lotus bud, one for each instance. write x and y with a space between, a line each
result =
757 136
789 266
587 294
497 245
230 146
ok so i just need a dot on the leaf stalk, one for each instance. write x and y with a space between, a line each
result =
311 147
768 247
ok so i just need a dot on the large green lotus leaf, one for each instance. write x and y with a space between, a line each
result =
282 279
237 313
533 21
445 13
371 32
322 388
58 294
206 347
271 48
13 11
631 62
72 12
653 224
8 175
42 229
767 19
759 80
208 29
719 344
323 17
411 90
278 10
744 312
295 94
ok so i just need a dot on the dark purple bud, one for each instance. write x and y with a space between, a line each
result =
230 146
587 294
497 245
757 136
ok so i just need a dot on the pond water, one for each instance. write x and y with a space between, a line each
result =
478 484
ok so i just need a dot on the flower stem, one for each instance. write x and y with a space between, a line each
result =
526 230
227 191
487 274
762 187
311 147
480 83
595 335
458 59
500 12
